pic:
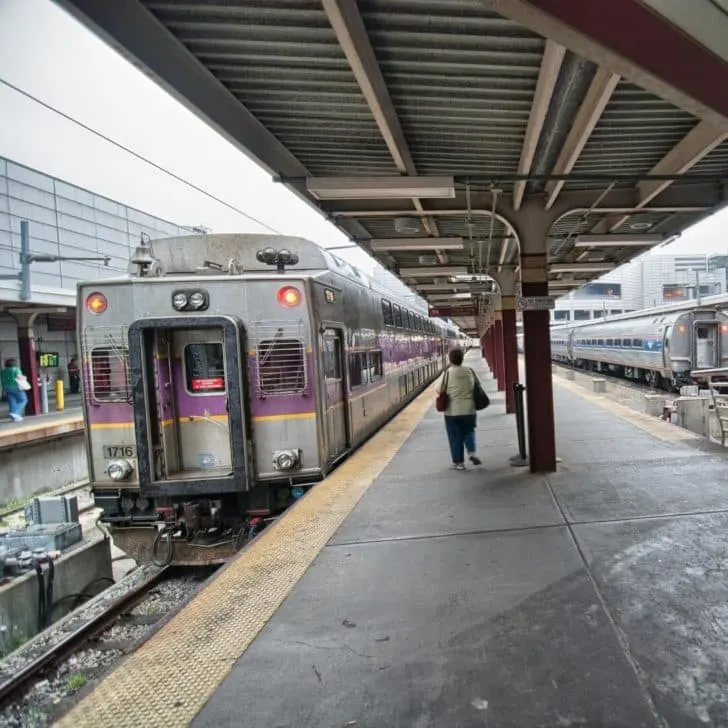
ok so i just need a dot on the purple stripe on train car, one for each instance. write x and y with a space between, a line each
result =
109 413
394 357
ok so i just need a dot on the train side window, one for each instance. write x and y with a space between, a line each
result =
600 342
397 315
110 374
610 342
637 343
332 359
618 342
357 369
281 366
376 370
387 313
204 368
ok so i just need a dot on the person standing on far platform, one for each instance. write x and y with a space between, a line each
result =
15 384
458 384
74 375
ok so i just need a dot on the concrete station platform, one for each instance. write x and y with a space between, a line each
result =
401 593
41 454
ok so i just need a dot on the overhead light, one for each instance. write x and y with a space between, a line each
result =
449 296
581 267
380 188
472 277
404 244
617 241
432 271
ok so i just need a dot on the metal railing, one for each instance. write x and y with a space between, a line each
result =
717 381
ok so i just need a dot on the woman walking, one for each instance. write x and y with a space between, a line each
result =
14 384
458 383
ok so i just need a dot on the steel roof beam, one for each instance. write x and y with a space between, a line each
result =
617 41
547 77
432 272
700 141
595 101
353 38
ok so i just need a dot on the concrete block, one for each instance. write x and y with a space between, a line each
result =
599 386
40 466
692 414
570 375
73 573
654 404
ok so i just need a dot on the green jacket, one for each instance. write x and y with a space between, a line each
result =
8 377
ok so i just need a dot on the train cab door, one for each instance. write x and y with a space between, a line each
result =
190 403
203 422
337 433
705 339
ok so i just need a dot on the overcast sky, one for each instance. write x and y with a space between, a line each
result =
48 54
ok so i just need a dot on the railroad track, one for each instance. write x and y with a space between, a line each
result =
16 686
621 381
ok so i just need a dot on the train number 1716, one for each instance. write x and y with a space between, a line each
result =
119 451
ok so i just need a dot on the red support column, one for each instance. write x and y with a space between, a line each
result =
510 354
26 348
489 350
500 373
539 387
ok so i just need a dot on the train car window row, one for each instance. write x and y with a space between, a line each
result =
652 344
281 366
401 318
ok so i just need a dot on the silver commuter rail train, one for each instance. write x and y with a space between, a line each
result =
225 371
659 346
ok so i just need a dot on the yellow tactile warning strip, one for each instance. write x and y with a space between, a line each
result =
656 427
168 679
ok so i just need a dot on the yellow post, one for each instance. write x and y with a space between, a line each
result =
59 395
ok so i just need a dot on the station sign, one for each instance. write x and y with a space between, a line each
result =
48 359
535 303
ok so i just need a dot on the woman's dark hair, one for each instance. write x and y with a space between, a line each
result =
10 362
456 357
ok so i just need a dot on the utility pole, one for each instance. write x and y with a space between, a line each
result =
26 258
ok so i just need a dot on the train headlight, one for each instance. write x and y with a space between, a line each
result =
286 459
197 300
119 469
179 301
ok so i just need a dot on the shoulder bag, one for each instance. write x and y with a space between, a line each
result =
480 398
22 381
443 398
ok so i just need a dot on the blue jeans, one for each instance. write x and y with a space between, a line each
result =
460 435
17 399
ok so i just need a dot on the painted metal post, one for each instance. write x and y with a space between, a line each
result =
24 260
44 381
510 357
522 458
60 399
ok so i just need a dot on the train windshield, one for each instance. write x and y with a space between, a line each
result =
204 367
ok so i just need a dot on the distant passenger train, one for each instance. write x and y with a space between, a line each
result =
228 370
659 346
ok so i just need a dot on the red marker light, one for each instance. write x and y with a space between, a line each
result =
97 303
289 296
